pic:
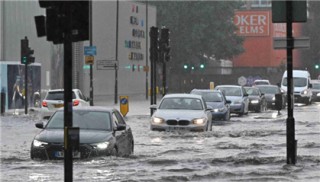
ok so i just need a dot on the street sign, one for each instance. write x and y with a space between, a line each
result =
298 42
279 13
107 64
242 81
90 50
124 105
89 60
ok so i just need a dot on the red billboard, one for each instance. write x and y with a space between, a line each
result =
252 23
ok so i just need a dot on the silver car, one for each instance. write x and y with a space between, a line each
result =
238 97
55 100
181 112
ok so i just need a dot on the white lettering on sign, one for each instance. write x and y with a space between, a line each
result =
252 23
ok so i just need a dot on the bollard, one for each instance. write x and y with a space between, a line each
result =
3 102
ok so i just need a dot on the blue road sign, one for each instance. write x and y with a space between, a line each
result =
90 50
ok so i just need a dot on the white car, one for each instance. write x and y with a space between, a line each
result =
55 99
261 82
181 112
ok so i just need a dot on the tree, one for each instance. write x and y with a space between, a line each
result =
312 29
200 28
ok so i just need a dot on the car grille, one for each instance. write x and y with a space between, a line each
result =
85 150
178 122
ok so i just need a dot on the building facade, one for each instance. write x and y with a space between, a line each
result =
120 34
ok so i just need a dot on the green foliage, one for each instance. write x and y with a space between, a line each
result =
200 27
311 30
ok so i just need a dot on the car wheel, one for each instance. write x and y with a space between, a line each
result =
227 117
115 151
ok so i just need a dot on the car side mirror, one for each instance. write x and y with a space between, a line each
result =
310 85
262 94
39 125
120 127
228 101
153 107
245 95
209 108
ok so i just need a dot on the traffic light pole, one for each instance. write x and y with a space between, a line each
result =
68 157
90 37
291 142
26 88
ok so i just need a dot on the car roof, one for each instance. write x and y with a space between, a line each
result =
206 90
261 81
267 86
183 95
238 86
61 89
91 108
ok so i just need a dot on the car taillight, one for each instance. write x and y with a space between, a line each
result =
44 104
76 102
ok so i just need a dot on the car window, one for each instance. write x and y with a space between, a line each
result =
316 85
231 91
210 96
80 95
297 82
58 95
90 120
119 117
181 103
252 91
269 90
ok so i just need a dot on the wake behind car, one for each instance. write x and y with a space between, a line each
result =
181 112
103 132
238 97
218 102
257 99
55 99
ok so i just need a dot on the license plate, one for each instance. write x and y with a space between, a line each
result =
174 128
60 154
58 105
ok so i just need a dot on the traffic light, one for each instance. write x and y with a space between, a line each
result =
185 66
154 44
165 43
317 66
201 66
75 14
26 52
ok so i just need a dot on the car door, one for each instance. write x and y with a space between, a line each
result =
119 135
128 140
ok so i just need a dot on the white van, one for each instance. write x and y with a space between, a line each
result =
301 86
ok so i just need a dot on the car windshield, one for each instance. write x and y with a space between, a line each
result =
297 82
269 90
252 91
231 91
210 96
88 120
58 95
316 85
181 103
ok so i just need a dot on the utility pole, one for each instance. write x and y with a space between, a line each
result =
90 37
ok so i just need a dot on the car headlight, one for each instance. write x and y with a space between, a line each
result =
157 120
304 92
199 121
37 143
101 146
318 94
273 98
254 101
219 109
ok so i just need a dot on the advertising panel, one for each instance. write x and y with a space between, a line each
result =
252 23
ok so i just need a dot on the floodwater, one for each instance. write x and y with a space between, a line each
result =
248 148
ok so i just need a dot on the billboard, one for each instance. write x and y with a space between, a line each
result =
252 23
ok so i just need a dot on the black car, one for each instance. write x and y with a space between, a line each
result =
270 92
103 132
257 100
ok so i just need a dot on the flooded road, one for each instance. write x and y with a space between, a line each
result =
248 148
